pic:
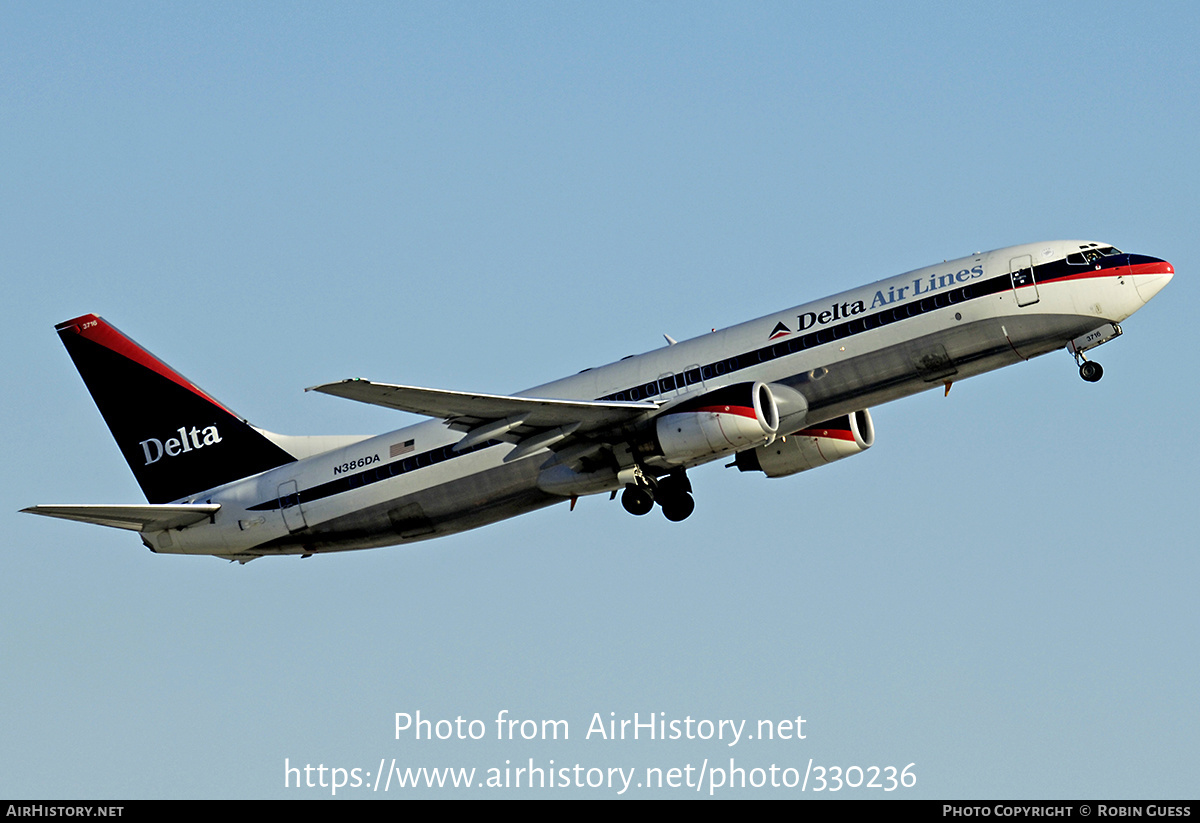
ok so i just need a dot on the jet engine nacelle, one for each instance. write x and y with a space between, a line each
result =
811 447
718 422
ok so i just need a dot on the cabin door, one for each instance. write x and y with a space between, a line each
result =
289 504
1024 285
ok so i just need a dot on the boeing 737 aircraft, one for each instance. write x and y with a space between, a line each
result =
781 394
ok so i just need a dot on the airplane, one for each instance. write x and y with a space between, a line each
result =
781 394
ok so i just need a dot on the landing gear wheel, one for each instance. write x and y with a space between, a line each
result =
1091 371
673 485
637 501
678 507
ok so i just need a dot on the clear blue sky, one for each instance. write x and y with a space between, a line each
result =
488 196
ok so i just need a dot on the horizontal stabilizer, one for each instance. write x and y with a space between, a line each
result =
449 405
138 518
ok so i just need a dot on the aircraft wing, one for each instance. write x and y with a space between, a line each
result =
453 405
530 422
138 518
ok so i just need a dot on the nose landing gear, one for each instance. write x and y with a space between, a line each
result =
1090 370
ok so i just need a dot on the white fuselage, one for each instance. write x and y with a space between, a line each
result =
844 353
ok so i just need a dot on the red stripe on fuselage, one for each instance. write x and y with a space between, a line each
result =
1119 271
1157 267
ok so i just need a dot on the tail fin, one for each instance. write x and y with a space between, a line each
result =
176 438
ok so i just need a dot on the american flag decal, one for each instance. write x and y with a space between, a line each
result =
398 449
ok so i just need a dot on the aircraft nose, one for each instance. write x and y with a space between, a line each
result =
1149 275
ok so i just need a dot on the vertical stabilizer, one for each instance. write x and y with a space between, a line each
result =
177 439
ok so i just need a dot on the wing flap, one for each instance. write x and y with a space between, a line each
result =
138 518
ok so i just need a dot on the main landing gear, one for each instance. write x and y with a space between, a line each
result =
672 492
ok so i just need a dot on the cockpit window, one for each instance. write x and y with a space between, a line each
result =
1091 255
